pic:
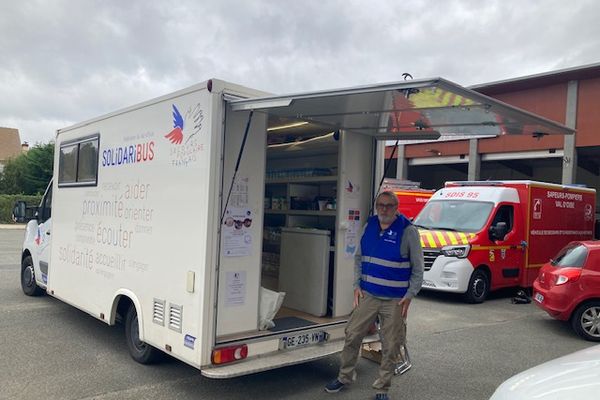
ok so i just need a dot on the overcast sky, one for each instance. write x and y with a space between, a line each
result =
63 62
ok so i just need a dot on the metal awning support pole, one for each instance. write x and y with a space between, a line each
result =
237 164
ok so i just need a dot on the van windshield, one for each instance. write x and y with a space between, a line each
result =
571 256
455 215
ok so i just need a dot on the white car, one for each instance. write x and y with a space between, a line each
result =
574 376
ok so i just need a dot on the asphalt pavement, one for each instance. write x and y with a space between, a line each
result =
50 350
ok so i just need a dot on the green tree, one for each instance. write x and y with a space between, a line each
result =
38 168
11 179
28 173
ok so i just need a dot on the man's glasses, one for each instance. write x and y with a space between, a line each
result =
384 206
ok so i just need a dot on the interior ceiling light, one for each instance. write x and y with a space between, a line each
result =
293 125
292 144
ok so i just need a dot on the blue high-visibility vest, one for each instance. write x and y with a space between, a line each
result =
385 273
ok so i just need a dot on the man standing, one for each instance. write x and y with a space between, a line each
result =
388 274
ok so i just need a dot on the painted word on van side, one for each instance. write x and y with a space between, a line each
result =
134 153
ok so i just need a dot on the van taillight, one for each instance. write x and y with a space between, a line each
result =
228 354
567 275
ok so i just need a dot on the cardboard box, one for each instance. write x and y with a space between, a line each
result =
371 351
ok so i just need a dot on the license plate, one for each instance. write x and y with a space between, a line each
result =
303 339
539 297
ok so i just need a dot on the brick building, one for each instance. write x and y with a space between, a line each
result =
10 145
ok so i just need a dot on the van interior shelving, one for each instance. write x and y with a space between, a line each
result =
301 182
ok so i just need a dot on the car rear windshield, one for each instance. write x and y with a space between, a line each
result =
572 256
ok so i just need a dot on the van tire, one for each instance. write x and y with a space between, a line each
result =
479 287
140 351
28 284
584 313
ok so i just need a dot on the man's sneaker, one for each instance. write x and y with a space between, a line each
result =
334 386
381 396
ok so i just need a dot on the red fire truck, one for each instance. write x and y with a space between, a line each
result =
411 198
483 236
412 201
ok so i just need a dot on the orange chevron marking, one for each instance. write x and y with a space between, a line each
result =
452 237
430 239
435 239
441 238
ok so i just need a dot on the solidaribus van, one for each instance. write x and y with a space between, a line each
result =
220 224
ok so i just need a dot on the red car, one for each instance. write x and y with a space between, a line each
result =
568 288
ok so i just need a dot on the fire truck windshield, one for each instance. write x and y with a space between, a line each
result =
454 215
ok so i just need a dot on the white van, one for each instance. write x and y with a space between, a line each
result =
189 216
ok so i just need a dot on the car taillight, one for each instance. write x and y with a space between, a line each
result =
228 354
567 275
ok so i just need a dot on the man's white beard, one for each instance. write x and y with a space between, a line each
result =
385 219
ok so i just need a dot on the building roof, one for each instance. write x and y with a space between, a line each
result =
10 143
537 80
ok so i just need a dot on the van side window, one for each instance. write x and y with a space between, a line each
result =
87 162
504 214
46 209
78 162
67 170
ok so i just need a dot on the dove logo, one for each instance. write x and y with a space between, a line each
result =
176 135
181 129
391 236
185 138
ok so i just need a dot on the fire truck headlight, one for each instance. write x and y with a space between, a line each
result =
456 251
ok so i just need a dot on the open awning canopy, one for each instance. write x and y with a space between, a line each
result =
408 110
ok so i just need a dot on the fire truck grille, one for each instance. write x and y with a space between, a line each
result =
429 256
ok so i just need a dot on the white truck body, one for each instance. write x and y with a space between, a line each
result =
139 197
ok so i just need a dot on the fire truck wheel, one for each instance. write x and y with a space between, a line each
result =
30 288
140 351
479 287
586 321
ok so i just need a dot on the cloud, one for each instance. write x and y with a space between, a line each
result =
67 61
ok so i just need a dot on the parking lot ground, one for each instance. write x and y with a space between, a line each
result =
459 351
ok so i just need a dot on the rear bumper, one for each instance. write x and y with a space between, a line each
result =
558 303
265 362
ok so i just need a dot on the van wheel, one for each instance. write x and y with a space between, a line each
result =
586 321
479 287
28 284
140 351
